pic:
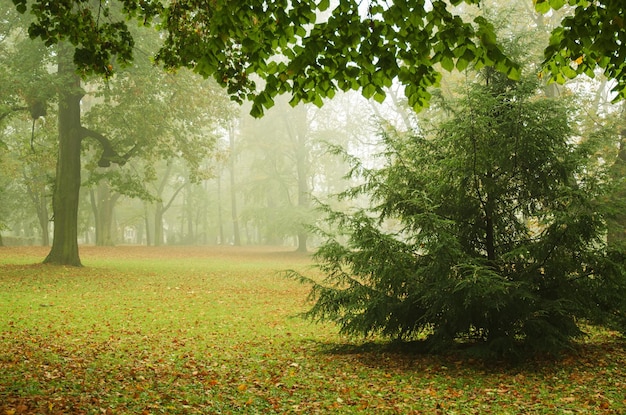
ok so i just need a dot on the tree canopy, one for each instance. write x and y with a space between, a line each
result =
311 49
590 38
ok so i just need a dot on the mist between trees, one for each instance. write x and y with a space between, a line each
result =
493 213
168 159
152 156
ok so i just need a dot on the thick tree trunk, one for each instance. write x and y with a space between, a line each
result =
67 183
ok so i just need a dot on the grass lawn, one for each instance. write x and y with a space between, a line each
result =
212 331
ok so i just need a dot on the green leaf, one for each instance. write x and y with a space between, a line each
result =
542 6
461 64
569 72
514 73
257 110
380 96
323 5
317 101
369 91
486 31
447 63
557 4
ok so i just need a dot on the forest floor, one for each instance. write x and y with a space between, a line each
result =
214 330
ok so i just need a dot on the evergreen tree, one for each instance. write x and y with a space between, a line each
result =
499 236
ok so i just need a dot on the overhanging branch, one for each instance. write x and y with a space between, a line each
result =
109 155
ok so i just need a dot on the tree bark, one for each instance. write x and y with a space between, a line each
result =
67 183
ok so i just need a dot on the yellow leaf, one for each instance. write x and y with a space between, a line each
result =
242 387
579 60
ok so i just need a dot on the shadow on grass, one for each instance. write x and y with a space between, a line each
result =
607 348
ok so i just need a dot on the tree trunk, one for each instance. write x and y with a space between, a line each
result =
298 136
103 204
219 210
303 188
158 224
147 225
233 193
37 194
67 183
44 220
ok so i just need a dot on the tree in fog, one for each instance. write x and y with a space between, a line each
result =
499 236
25 128
155 116
277 187
323 48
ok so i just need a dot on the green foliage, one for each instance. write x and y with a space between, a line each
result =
590 38
323 49
288 44
488 230
100 39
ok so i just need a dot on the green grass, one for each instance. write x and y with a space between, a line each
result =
212 330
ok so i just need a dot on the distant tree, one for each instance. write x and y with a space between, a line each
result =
277 189
497 235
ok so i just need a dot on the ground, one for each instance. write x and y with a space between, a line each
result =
206 330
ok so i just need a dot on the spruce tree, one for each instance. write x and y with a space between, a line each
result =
500 239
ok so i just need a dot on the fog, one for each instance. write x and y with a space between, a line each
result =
187 165
169 159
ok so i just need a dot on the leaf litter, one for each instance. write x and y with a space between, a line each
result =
202 330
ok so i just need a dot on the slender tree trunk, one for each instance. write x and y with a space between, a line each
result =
219 209
103 204
233 193
67 183
160 212
44 220
190 239
298 134
147 225
158 224
303 188
38 197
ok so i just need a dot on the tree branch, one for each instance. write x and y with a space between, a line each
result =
109 155
12 110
